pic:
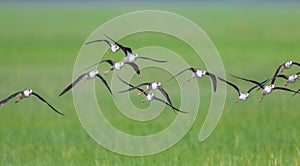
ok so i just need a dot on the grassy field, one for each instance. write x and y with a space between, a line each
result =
39 46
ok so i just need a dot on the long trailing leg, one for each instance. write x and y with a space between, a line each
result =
236 101
286 83
107 71
84 81
281 69
144 91
262 97
19 99
189 79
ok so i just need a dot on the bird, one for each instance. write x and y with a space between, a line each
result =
151 96
113 47
288 78
86 76
197 73
266 89
285 65
150 86
25 94
117 66
130 56
242 96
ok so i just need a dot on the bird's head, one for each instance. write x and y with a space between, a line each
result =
27 92
288 63
114 48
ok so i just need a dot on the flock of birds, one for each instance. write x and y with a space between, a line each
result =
130 59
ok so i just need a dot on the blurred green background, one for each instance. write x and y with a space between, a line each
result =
39 44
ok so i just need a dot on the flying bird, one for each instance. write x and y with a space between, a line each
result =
117 66
266 89
197 73
288 78
150 86
242 96
130 56
25 94
86 76
113 47
151 96
285 65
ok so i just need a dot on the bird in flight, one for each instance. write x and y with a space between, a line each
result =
25 94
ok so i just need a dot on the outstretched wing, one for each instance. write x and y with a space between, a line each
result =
213 79
104 82
297 92
42 99
257 85
285 89
248 80
191 69
158 99
9 97
134 66
296 63
141 90
134 87
166 95
102 40
72 84
276 73
282 76
146 58
123 48
107 61
231 84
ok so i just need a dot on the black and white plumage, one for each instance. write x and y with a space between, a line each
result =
151 96
266 89
130 56
150 86
288 78
113 47
242 96
25 94
285 65
117 66
86 76
197 73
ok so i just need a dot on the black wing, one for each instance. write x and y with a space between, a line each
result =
298 91
252 81
123 48
135 87
285 89
9 97
191 69
104 82
134 66
166 95
276 73
42 99
296 63
257 85
72 84
107 61
158 99
231 84
282 76
141 90
161 61
213 79
102 40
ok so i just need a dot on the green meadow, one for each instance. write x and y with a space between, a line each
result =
38 49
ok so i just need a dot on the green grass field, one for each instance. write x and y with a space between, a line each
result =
39 46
